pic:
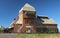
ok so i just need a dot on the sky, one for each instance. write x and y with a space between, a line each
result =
9 9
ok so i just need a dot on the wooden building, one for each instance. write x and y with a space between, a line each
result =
28 22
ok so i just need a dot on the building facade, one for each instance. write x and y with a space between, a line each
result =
28 22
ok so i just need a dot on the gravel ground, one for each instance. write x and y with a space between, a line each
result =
8 35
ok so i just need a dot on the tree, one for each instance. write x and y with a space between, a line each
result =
1 29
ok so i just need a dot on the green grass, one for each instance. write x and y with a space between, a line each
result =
38 36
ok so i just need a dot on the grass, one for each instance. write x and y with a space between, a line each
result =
38 36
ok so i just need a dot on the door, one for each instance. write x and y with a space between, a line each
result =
28 30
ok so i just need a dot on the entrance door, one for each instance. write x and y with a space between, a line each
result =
28 30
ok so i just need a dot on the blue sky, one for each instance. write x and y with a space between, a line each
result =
9 9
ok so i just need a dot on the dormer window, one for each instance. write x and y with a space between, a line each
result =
26 12
29 13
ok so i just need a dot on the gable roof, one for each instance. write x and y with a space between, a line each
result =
11 25
48 21
27 7
45 20
19 22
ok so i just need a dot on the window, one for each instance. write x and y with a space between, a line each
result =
32 21
38 30
18 25
29 13
26 21
29 21
26 12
